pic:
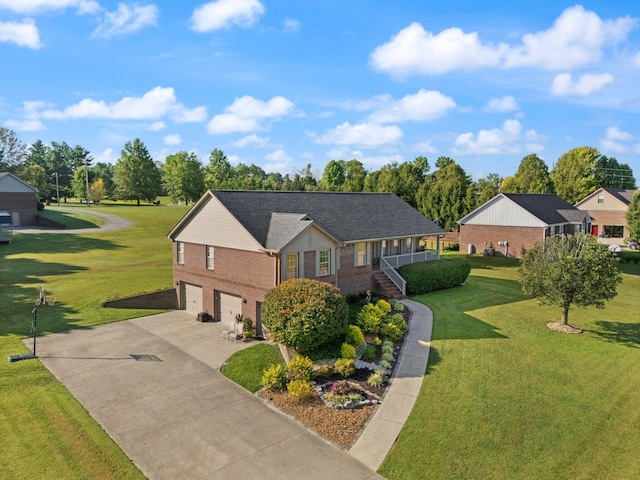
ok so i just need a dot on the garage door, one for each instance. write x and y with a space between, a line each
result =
192 298
229 307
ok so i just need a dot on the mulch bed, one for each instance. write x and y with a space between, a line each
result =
340 426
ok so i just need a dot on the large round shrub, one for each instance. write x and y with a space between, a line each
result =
305 314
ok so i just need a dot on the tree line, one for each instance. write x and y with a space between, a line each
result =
444 195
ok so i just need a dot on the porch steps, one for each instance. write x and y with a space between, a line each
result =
385 287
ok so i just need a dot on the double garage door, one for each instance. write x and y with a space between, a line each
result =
227 306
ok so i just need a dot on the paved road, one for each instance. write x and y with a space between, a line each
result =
112 222
175 415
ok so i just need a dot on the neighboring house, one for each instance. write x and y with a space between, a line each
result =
608 209
18 198
233 246
513 222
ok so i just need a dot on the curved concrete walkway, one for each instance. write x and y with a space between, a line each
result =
111 222
383 429
154 385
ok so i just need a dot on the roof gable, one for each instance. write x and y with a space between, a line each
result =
10 183
621 196
524 210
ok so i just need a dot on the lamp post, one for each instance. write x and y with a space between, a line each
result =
57 189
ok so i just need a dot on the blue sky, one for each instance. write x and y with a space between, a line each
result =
285 83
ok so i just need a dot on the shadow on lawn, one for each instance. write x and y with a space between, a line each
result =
21 278
627 334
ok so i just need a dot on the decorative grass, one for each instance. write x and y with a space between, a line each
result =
45 432
245 367
505 397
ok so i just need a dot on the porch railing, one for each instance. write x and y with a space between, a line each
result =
391 263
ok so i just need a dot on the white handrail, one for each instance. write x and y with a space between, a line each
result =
393 275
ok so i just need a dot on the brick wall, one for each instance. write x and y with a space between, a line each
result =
609 217
25 203
519 238
250 275
352 279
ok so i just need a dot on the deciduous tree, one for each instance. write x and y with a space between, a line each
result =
12 151
570 270
633 216
333 176
137 177
183 177
575 175
614 175
219 174
532 176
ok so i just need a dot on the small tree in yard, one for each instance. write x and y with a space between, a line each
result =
305 314
567 270
633 216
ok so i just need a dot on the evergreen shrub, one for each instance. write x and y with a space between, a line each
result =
425 277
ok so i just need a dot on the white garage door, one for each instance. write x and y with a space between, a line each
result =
192 298
230 306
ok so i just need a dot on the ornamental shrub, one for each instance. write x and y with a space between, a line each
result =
305 314
425 277
275 377
347 351
376 379
355 336
345 367
393 327
369 318
384 306
369 353
324 371
300 368
300 390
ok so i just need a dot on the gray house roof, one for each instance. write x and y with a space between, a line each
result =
273 218
549 209
624 196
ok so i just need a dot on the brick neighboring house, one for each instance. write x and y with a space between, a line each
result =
513 222
19 199
608 209
233 246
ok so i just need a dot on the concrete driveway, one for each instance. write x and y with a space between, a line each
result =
154 385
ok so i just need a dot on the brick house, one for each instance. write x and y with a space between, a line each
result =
513 222
608 209
19 199
233 246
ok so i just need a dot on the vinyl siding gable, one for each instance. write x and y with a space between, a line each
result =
214 225
503 212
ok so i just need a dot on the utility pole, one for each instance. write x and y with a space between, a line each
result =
86 176
57 189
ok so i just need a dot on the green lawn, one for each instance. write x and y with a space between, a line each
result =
246 366
45 433
71 220
506 398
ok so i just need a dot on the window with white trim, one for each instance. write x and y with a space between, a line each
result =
396 247
210 253
361 254
180 248
408 245
601 198
324 262
292 265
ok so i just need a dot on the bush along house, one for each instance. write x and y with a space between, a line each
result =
234 246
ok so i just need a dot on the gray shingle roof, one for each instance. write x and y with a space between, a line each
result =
624 196
549 208
348 216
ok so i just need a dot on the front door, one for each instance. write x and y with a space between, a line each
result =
376 253
594 230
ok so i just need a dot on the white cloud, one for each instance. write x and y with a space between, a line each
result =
172 140
586 85
277 161
154 104
245 113
125 20
183 115
635 60
416 51
505 140
365 135
252 140
422 106
425 147
380 160
157 126
503 104
576 38
291 25
107 156
225 13
613 139
26 125
23 34
35 6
